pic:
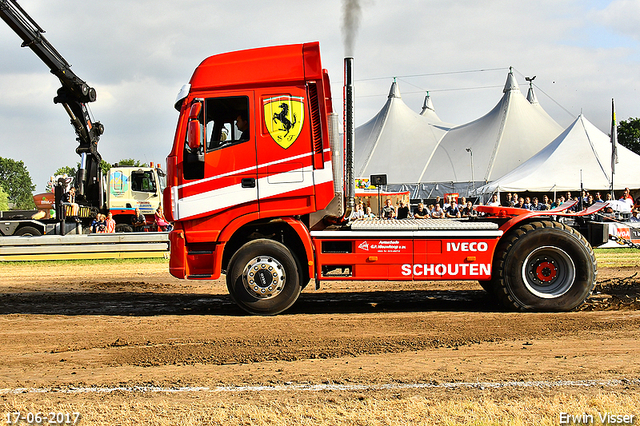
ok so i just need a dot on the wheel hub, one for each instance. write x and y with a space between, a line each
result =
264 277
548 272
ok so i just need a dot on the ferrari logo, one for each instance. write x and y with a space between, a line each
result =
283 117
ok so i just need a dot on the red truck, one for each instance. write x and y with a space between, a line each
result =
260 188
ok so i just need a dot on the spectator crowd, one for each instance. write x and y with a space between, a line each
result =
453 207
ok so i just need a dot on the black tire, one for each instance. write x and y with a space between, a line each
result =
123 227
27 231
489 286
544 266
263 278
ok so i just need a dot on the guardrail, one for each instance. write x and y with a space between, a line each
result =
89 246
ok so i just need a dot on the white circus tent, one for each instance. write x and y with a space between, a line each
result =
493 145
397 141
580 155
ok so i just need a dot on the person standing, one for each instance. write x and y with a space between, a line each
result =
110 224
421 212
403 211
99 226
437 212
598 198
453 210
369 214
509 202
627 198
469 210
388 211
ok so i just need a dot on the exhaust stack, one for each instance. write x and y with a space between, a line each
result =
349 138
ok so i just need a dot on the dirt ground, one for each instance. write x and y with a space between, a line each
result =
69 326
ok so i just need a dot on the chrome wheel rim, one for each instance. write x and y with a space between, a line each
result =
548 272
264 277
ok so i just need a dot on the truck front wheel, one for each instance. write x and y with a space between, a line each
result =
28 231
544 266
263 277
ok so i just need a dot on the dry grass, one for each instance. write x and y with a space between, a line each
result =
480 408
618 258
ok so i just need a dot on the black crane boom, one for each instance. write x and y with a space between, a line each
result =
74 94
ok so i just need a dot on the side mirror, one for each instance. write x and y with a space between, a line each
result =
194 112
194 134
193 127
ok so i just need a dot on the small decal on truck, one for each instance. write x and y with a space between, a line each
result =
364 246
472 246
385 246
119 183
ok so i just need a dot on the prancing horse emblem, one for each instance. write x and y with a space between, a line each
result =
283 118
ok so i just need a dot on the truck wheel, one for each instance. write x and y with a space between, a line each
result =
123 227
489 286
544 266
28 231
263 278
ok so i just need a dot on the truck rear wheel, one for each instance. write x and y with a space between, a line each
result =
544 266
123 227
28 231
263 277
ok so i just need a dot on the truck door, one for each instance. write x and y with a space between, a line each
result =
144 190
219 170
285 152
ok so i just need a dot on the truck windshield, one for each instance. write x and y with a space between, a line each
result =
143 181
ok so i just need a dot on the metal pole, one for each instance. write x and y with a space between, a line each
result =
473 180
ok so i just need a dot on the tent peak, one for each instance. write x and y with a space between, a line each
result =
394 92
511 83
531 95
427 104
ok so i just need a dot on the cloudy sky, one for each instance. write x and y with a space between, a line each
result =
138 53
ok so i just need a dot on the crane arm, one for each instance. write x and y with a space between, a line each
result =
74 94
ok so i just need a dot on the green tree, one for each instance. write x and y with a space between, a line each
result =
105 167
4 200
131 162
16 182
629 134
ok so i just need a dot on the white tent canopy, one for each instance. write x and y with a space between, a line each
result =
397 141
511 133
581 152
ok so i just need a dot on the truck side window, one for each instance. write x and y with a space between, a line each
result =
221 121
